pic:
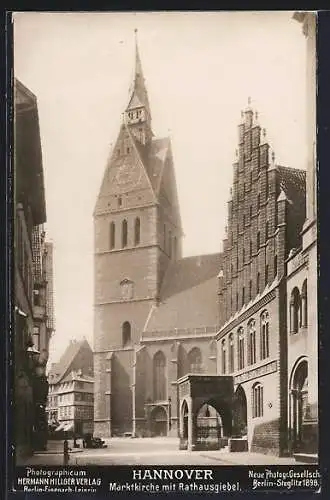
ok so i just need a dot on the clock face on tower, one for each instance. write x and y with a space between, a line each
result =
127 176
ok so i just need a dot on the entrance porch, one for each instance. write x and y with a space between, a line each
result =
205 411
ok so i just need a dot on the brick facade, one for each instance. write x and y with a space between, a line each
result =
265 216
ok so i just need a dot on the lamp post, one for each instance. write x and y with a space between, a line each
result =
169 413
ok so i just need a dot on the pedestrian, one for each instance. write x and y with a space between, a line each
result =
66 450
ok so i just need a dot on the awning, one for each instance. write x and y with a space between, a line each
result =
60 427
68 427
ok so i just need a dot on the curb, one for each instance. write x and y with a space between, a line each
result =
45 453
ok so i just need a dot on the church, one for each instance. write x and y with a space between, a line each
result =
193 347
149 301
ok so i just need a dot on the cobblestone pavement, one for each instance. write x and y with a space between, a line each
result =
150 451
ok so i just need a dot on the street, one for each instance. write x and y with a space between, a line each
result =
150 451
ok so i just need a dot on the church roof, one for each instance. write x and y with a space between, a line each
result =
292 182
187 295
156 160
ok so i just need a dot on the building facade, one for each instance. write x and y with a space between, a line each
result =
302 287
34 322
70 403
142 324
266 213
196 346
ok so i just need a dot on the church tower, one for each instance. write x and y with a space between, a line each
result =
137 233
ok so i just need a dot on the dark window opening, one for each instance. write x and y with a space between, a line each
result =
120 201
258 240
36 297
257 401
137 231
264 337
112 235
275 266
159 376
304 304
126 332
124 233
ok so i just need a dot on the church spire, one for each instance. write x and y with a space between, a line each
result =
138 94
137 114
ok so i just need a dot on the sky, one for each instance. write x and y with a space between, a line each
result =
200 69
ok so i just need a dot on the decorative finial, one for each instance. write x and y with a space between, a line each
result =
242 114
273 157
236 153
135 30
249 101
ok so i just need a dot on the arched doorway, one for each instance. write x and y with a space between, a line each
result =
209 427
240 412
159 421
299 402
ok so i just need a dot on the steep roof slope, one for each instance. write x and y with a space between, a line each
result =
188 296
78 355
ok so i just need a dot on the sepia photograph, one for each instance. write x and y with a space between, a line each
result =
165 195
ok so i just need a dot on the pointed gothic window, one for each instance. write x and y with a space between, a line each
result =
112 235
295 310
304 304
195 360
240 348
250 289
264 335
126 333
223 357
252 342
231 353
159 369
124 233
137 231
257 400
